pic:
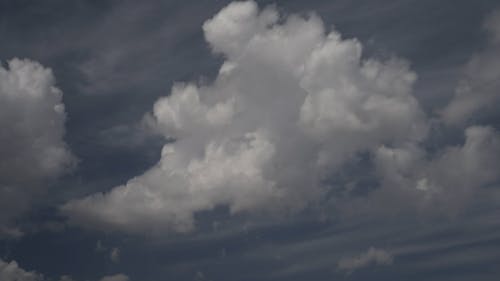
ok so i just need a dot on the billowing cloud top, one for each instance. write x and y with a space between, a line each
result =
32 119
292 104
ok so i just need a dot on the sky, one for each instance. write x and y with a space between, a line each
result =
249 140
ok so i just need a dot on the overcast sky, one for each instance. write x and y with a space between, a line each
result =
251 140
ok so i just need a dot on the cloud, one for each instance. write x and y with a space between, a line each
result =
372 257
10 271
32 147
479 90
445 181
99 247
117 277
134 39
292 103
115 255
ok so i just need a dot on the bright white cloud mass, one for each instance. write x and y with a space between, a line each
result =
33 151
292 104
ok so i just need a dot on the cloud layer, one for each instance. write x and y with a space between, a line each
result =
32 119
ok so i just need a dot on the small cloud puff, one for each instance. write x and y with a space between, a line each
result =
372 257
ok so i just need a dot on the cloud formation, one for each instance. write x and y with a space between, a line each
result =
33 150
10 271
372 257
292 103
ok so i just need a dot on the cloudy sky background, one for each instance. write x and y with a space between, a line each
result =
268 140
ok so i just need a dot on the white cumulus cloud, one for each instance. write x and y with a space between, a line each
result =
32 147
292 103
